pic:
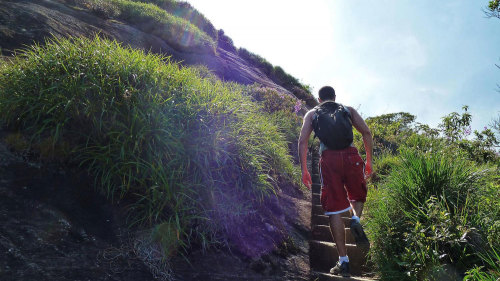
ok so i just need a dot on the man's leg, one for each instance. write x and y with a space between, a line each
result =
356 188
357 208
356 228
338 231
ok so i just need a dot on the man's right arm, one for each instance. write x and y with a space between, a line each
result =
362 127
305 132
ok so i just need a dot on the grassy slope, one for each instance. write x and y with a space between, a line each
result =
151 131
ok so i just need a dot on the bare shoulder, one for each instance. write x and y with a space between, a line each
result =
354 112
351 109
309 115
357 121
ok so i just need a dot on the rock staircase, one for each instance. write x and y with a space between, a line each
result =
323 253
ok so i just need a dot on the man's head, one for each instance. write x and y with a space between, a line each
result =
326 93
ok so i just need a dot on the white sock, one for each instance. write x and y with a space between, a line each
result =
355 218
343 259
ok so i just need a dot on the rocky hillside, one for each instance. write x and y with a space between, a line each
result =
121 165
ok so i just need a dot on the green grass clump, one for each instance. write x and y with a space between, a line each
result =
148 130
491 273
383 165
427 219
177 31
184 10
281 108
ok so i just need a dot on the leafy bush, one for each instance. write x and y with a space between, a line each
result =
192 155
424 217
270 99
390 130
456 129
102 8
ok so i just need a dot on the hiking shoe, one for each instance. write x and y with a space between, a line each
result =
341 269
358 233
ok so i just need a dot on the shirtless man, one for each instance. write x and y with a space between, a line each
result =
343 174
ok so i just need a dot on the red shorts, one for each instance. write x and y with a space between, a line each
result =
342 179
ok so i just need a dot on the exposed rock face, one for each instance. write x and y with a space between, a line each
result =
23 22
55 226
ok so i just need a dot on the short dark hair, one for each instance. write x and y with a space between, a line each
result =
327 93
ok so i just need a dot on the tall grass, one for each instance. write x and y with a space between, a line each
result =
425 218
184 10
281 108
158 135
489 273
177 31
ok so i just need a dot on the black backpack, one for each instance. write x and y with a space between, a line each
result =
332 125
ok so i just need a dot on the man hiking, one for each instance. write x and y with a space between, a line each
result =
343 172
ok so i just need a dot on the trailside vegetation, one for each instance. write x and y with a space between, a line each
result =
433 211
194 157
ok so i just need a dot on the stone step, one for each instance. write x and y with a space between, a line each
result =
325 220
316 187
324 255
320 220
316 198
323 233
318 210
322 276
315 178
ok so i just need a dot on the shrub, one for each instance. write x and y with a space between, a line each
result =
270 99
390 130
192 155
102 8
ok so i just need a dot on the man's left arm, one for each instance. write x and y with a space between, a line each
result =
362 127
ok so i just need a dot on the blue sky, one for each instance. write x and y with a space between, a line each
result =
428 58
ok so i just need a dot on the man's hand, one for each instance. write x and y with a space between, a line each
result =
368 169
306 179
